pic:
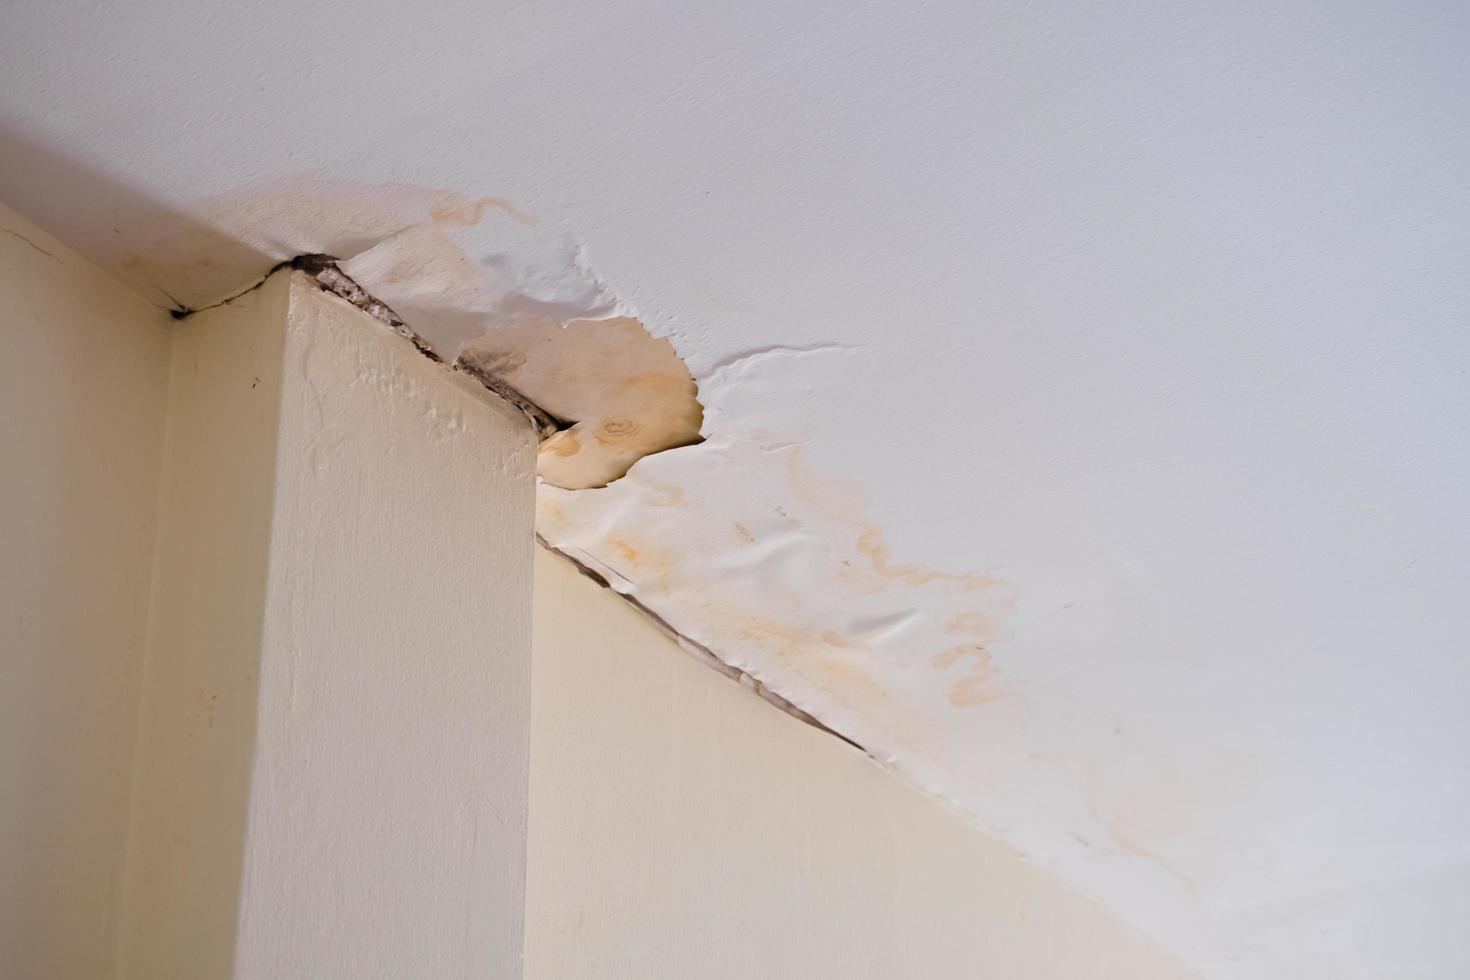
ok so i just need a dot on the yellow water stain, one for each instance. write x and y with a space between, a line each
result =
838 498
789 640
871 545
855 691
969 692
953 655
971 623
981 685
844 501
562 444
616 431
647 564
463 212
626 393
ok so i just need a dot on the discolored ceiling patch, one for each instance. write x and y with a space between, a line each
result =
625 393
516 307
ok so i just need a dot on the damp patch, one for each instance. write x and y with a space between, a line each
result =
623 393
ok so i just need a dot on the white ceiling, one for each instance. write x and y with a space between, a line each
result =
1086 386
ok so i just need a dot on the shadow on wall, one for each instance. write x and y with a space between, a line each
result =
89 210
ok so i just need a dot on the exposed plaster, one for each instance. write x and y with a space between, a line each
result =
629 392
332 279
542 421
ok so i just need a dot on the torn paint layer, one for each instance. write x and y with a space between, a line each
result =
540 330
700 652
628 393
738 544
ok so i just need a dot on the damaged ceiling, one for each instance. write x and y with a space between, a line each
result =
1081 420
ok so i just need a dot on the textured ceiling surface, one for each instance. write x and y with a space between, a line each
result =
1086 387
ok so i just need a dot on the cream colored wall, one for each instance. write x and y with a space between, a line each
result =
333 753
286 733
83 380
197 735
681 827
387 819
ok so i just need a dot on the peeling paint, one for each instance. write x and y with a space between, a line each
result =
769 569
699 651
627 393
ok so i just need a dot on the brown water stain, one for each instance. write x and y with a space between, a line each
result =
627 393
629 553
562 444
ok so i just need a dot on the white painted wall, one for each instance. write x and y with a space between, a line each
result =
82 385
334 740
681 827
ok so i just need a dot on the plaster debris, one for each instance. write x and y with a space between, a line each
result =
332 279
543 422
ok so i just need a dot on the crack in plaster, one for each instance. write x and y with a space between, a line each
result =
330 278
693 647
16 234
